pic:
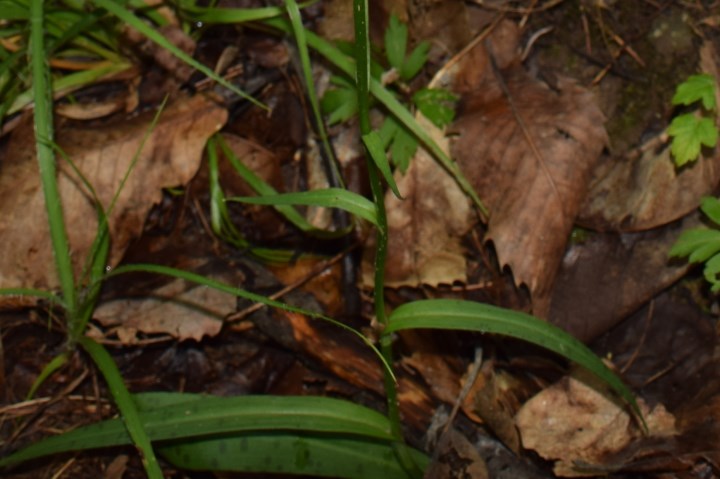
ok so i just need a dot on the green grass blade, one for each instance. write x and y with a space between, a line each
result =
198 279
485 318
299 32
285 452
36 293
129 18
69 83
174 416
46 157
133 425
56 363
264 189
328 197
230 15
384 96
374 145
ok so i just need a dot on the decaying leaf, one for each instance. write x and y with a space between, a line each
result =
575 424
170 157
528 150
177 309
644 191
426 226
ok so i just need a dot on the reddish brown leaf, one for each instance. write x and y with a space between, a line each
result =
528 150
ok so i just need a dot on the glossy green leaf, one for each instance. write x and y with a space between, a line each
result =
283 452
328 197
696 88
711 272
689 133
698 244
191 416
711 207
484 318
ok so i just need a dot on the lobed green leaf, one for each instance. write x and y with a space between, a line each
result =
696 88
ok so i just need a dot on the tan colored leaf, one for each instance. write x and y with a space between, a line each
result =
175 309
573 423
528 150
104 155
425 227
644 189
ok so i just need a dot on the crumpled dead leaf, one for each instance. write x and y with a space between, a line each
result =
170 157
528 150
176 309
576 425
645 191
425 227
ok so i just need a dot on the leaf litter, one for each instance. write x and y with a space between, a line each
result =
506 151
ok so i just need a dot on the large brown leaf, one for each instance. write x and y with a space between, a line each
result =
170 157
528 150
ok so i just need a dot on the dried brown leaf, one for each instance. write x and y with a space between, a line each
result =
577 423
528 150
425 227
175 309
104 155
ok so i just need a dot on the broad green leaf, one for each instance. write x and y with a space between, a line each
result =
396 42
373 143
690 132
436 104
697 87
403 148
283 452
711 207
698 244
484 318
415 61
328 197
210 415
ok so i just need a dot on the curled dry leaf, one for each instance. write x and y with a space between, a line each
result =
645 190
577 425
170 157
178 310
426 226
528 150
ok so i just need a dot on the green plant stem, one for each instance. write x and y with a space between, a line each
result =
46 162
362 58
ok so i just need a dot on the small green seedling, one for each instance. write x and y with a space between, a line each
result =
692 130
703 244
437 105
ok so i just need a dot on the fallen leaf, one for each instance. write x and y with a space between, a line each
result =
170 157
528 150
456 457
425 227
644 189
606 277
577 422
176 309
